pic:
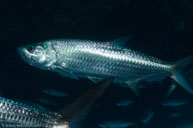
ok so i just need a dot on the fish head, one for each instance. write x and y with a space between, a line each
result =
41 55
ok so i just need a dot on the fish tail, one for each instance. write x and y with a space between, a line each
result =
177 75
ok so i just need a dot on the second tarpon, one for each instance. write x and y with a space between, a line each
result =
18 115
98 60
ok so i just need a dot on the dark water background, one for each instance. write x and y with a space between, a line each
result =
161 28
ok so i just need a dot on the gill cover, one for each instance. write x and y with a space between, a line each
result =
41 55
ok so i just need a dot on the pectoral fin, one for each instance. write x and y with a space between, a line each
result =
65 73
94 79
79 110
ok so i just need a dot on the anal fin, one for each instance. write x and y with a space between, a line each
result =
133 86
171 89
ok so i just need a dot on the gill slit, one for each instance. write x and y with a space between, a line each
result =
55 64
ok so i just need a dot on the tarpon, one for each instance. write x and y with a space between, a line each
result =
18 115
99 60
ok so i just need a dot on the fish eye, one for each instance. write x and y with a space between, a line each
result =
30 49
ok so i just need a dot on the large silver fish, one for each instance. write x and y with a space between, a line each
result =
18 115
99 60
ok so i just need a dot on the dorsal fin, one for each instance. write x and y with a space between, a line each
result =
79 110
121 41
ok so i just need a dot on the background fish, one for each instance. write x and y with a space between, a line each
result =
54 92
148 115
124 103
116 124
174 102
98 60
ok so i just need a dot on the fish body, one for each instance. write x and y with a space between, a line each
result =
18 115
99 60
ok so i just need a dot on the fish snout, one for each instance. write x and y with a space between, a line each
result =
22 51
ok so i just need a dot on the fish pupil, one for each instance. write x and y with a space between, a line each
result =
30 49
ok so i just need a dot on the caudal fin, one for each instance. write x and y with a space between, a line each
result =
177 73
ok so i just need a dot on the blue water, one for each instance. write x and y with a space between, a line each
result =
160 28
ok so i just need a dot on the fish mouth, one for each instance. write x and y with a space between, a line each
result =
20 51
23 54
